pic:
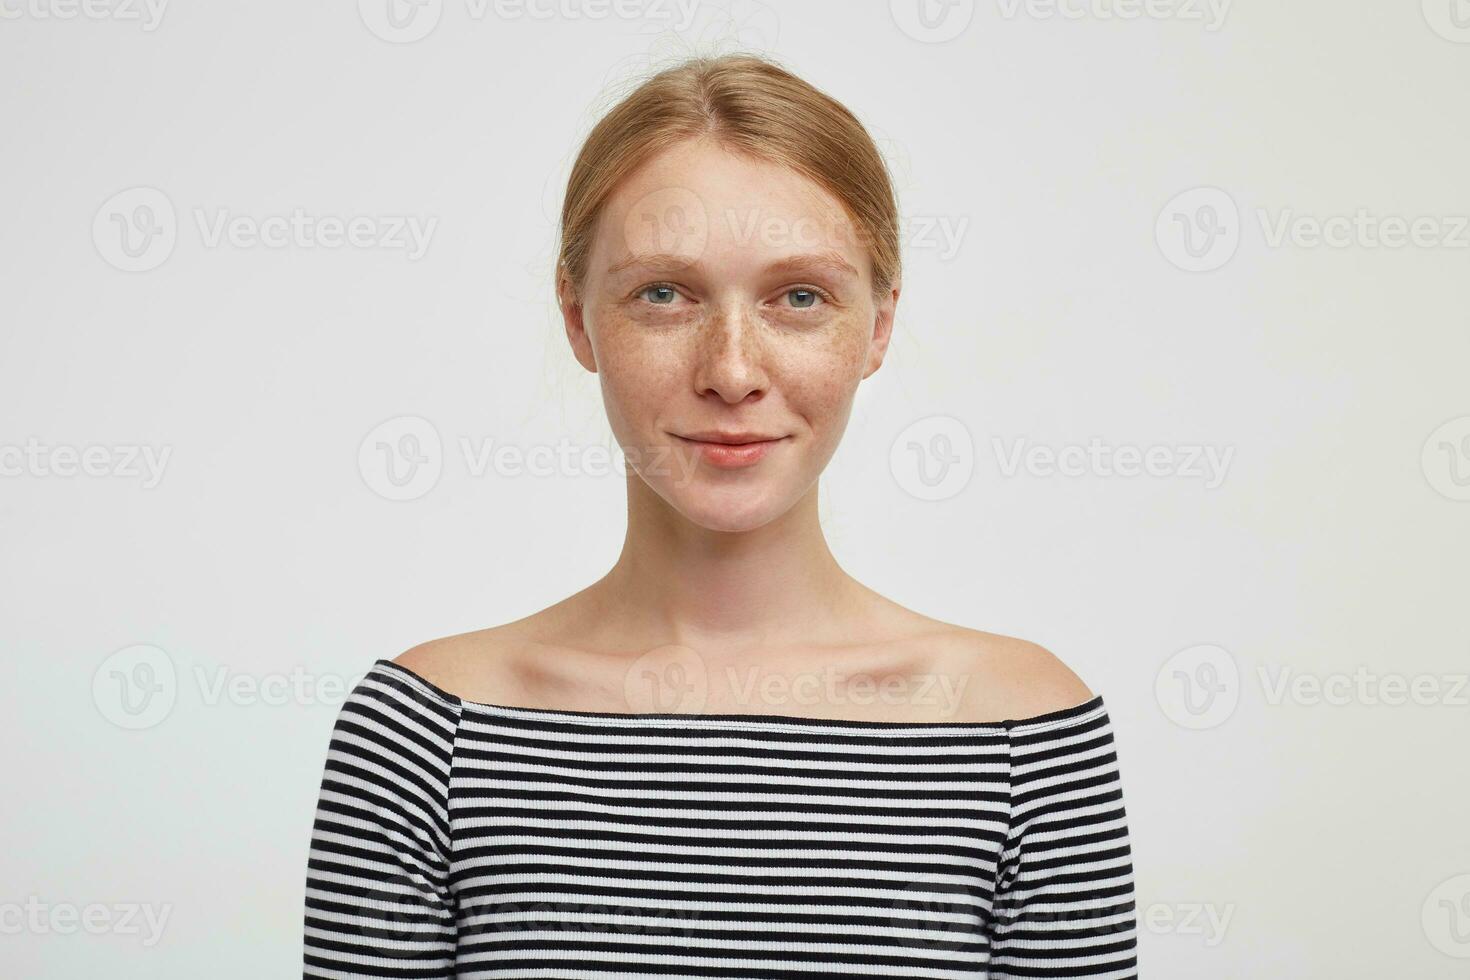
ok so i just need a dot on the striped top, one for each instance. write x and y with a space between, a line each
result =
459 839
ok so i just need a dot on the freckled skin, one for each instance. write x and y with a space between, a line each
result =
730 566
720 340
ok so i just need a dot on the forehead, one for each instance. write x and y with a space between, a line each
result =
699 199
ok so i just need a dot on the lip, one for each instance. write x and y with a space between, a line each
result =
730 450
726 437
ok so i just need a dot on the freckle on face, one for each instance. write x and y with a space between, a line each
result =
728 218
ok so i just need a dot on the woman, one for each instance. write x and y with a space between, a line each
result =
942 802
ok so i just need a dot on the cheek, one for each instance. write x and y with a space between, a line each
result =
820 375
637 369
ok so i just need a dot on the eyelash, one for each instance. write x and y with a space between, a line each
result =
821 293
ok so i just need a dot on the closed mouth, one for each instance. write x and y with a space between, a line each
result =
728 438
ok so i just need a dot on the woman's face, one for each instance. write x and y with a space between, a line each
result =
728 309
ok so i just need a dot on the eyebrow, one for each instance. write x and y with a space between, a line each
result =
828 261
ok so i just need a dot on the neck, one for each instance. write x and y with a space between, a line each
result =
676 582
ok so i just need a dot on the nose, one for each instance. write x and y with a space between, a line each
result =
730 358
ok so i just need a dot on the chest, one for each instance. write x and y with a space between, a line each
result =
692 849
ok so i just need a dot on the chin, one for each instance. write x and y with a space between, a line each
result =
730 510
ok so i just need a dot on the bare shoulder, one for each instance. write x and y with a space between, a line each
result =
462 664
1006 678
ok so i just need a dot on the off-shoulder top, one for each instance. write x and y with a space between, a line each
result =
461 839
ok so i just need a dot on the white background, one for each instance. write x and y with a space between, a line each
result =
1328 835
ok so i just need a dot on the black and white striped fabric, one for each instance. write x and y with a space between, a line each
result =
458 839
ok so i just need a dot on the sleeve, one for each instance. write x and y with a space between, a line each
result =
1064 896
378 901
